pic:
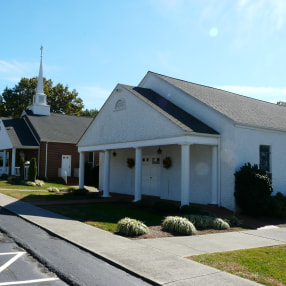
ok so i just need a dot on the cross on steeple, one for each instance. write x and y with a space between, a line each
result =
42 51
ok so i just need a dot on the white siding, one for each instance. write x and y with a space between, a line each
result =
247 150
212 118
5 142
138 121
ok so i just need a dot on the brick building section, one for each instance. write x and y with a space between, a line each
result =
54 160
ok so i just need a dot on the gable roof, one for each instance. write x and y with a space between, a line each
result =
59 128
177 115
19 133
240 109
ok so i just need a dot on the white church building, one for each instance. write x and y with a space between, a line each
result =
183 141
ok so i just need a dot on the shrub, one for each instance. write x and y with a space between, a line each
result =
131 227
233 221
32 174
277 206
190 209
166 207
38 183
4 177
29 183
178 225
219 223
252 189
205 222
53 190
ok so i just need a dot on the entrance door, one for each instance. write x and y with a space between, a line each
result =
66 165
151 166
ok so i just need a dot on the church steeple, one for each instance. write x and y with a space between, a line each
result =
40 106
40 86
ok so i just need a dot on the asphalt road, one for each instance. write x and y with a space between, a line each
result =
72 264
18 267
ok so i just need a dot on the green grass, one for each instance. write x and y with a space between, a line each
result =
5 185
106 215
264 265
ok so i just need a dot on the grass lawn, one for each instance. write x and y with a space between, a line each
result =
266 265
106 215
5 185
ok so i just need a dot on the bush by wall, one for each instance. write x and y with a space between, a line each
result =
178 225
32 173
205 222
131 227
252 190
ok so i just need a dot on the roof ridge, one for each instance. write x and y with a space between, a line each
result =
216 88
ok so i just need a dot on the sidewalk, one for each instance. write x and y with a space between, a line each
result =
159 260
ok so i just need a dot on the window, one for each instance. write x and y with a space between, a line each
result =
264 157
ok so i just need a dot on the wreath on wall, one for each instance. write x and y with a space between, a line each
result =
167 163
130 163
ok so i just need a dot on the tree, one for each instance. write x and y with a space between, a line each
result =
282 103
89 112
14 101
32 172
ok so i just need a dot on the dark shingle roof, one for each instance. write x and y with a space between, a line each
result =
240 109
59 127
183 119
19 133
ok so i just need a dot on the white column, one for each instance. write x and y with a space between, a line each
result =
13 161
214 175
4 162
106 174
138 175
185 174
81 170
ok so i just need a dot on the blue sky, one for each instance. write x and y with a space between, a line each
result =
91 45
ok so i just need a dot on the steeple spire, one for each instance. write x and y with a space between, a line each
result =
40 85
39 105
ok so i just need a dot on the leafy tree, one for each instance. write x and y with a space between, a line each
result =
282 103
15 100
89 112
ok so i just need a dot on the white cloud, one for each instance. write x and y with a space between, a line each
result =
93 96
269 94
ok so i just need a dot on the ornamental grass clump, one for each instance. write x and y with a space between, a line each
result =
205 222
219 223
178 225
53 190
131 227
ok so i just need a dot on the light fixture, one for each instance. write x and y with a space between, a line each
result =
159 151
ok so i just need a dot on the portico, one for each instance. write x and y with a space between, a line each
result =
178 182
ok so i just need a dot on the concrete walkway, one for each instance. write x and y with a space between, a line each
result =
159 260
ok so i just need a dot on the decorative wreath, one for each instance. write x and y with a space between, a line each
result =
130 163
167 163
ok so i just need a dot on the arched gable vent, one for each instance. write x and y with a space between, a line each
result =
120 104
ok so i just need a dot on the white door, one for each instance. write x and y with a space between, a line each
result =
151 166
66 165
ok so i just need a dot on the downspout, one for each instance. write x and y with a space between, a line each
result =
39 161
46 162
